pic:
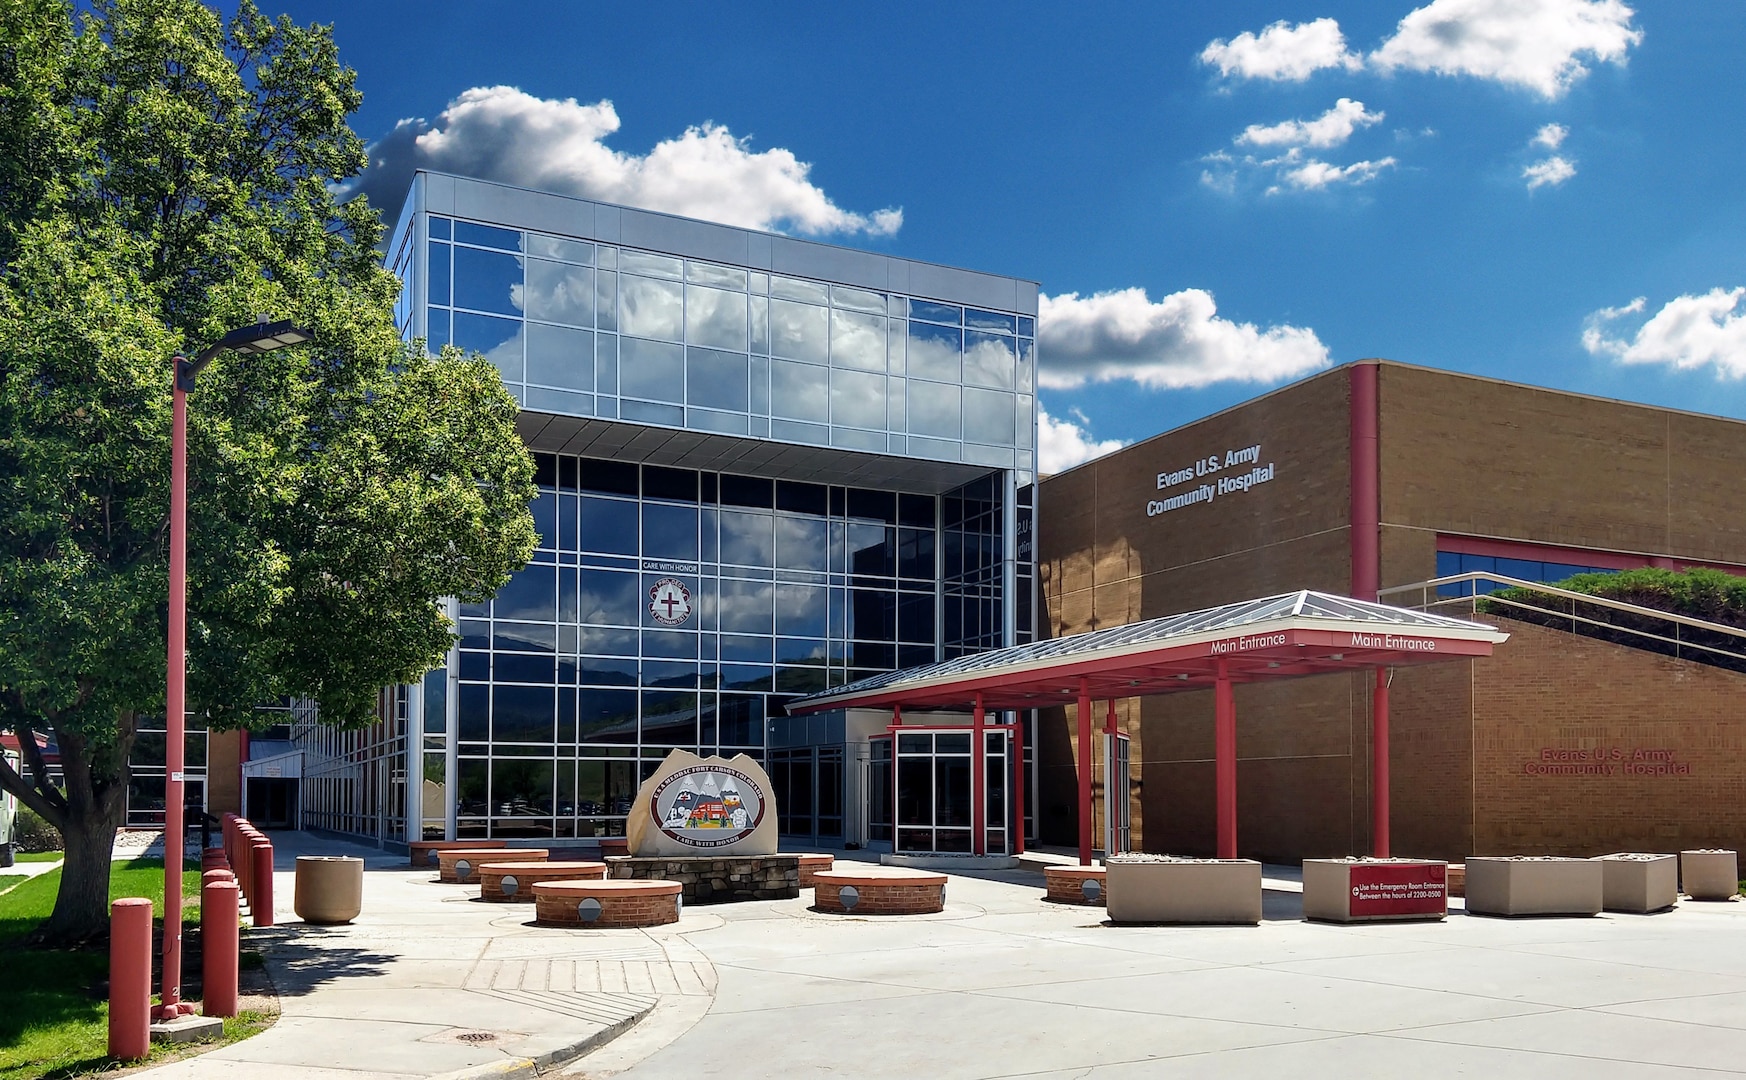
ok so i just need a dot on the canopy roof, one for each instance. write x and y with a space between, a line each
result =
1295 634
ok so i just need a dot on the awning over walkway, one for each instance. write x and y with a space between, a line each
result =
1276 637
1301 633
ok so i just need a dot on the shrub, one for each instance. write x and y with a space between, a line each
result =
30 833
1699 593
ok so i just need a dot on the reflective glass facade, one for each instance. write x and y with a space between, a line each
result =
765 467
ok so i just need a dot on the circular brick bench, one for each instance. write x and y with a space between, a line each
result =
811 865
424 852
1075 884
460 866
510 881
614 903
879 891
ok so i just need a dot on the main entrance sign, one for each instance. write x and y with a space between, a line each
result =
703 806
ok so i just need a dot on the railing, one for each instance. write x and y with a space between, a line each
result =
1672 634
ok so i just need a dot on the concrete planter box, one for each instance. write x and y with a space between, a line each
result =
1533 885
1709 874
1158 889
330 889
1638 883
1374 890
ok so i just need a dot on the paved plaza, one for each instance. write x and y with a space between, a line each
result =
1000 984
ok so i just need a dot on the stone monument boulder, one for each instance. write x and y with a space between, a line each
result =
709 807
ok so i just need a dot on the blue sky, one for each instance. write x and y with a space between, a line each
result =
1215 198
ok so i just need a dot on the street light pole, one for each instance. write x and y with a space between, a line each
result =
261 337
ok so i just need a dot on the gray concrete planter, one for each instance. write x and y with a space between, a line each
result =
1160 889
1710 873
1638 883
1533 885
330 888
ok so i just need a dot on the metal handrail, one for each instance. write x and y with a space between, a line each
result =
1427 590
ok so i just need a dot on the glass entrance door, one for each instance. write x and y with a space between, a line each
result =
809 792
935 791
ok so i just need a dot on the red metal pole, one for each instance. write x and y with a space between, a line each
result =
220 940
1366 510
1379 766
1109 719
1084 721
1017 831
130 978
170 993
978 793
1225 761
261 901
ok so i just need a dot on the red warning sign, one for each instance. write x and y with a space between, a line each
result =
1399 888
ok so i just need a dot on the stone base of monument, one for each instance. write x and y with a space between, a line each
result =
722 879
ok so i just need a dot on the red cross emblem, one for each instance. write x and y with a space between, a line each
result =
669 602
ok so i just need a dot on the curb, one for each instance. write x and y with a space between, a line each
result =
519 1068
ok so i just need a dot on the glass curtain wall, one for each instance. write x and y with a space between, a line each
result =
585 329
665 609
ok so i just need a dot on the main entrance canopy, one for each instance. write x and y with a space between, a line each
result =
1287 636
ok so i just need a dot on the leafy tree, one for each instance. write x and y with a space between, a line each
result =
164 176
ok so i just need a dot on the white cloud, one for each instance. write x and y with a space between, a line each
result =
1178 341
1688 332
1062 444
1313 175
1332 128
1282 52
1532 44
1551 136
1553 171
501 133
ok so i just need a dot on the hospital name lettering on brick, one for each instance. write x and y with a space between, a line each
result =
1208 470
1606 761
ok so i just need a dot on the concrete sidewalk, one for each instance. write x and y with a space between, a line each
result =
431 981
1001 984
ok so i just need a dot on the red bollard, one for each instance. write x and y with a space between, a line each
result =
223 873
130 978
214 858
261 902
244 863
220 940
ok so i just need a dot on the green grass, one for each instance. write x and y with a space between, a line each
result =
52 1023
41 856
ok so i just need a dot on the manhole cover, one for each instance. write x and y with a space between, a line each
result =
475 1037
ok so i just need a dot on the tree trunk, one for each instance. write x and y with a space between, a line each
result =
82 905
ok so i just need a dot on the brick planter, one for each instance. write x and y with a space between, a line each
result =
1638 883
889 891
1075 884
1160 889
810 865
1709 874
506 882
605 905
1533 885
424 852
715 880
1374 890
460 866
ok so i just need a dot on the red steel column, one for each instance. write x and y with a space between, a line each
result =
1379 766
1225 761
1366 517
1017 829
1084 720
130 978
978 790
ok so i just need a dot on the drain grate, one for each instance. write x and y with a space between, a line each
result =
475 1037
